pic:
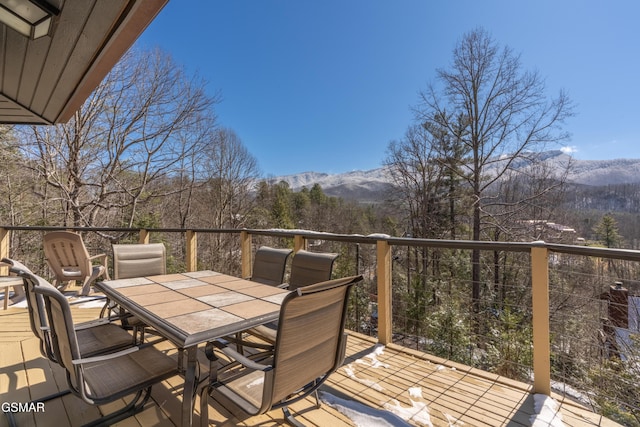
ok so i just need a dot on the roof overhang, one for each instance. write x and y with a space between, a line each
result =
46 80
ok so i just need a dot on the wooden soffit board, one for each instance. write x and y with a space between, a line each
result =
45 81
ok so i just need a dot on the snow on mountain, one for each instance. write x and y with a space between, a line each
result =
373 185
366 186
604 172
308 179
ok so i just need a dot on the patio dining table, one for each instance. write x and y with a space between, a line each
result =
193 308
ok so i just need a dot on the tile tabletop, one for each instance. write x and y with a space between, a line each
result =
196 306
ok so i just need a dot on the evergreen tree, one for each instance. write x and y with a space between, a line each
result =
607 232
281 207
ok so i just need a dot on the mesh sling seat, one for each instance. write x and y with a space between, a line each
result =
108 377
269 265
310 345
69 259
306 268
136 260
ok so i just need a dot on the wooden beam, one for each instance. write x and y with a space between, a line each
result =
191 254
385 330
540 309
143 237
5 236
245 251
299 242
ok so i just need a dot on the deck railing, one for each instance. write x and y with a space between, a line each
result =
379 272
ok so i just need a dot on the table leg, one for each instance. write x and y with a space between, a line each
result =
18 289
189 386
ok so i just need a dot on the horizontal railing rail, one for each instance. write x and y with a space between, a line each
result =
609 253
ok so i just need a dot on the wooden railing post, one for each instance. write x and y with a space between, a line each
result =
143 237
385 332
245 254
540 309
299 242
5 236
191 254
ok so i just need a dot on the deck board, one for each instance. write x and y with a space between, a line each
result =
451 394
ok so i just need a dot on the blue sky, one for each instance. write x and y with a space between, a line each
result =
325 85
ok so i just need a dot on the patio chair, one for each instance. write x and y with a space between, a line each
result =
306 268
95 337
69 259
136 260
107 377
310 346
269 265
310 267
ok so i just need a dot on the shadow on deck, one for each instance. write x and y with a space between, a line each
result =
376 385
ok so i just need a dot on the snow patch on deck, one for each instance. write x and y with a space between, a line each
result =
547 412
362 415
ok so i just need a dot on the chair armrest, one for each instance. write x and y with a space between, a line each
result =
240 342
104 261
243 360
104 357
103 256
91 324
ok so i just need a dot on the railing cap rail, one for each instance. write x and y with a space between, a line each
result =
623 254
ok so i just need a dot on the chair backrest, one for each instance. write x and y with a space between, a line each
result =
35 306
269 265
37 313
65 341
308 268
311 341
67 255
15 267
136 260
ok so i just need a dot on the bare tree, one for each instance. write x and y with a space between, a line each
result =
191 176
230 175
132 131
506 116
526 198
419 182
225 198
16 203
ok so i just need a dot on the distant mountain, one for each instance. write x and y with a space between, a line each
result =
365 186
373 185
606 172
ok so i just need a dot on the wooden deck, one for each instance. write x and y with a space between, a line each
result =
390 383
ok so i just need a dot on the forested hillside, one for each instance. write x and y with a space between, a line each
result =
622 198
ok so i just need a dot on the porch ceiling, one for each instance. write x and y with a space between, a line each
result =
44 81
